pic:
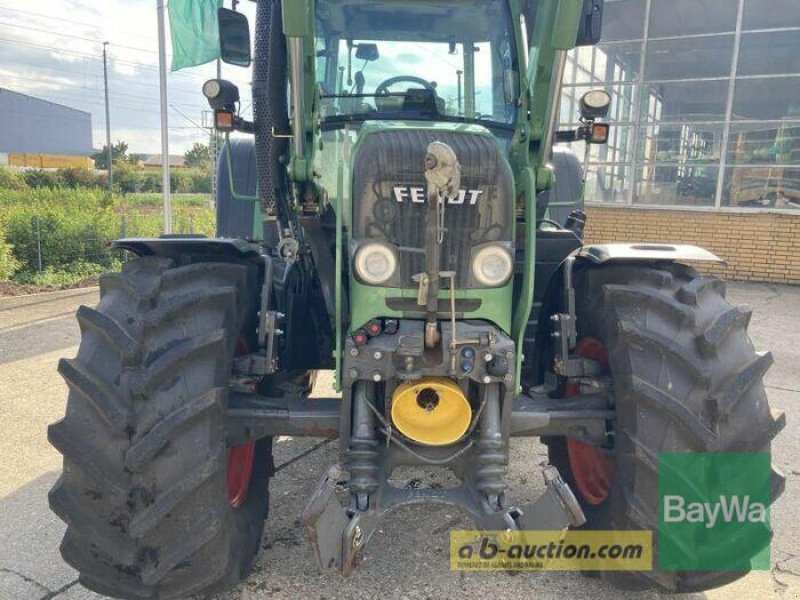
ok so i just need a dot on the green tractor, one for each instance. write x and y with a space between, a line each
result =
400 217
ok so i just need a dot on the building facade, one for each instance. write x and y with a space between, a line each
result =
706 114
36 127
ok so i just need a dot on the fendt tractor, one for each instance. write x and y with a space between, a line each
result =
395 213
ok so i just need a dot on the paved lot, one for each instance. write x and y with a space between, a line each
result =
408 558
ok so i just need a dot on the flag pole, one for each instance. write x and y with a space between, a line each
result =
162 65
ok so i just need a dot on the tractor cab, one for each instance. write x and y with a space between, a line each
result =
444 61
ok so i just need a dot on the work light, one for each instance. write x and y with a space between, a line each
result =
595 104
221 94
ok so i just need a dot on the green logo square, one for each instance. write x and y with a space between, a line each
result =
713 512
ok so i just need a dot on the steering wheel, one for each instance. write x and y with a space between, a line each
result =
383 87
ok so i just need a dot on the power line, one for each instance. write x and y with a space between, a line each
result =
138 128
97 75
72 36
55 81
62 19
181 113
173 85
93 101
95 58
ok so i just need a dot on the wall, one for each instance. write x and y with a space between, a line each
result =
34 126
49 161
758 246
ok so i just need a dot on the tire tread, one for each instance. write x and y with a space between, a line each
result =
144 522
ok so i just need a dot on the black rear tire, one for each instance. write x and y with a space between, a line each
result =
686 379
144 488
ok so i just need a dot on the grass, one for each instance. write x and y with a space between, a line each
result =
154 200
59 278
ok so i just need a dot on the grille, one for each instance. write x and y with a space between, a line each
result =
389 160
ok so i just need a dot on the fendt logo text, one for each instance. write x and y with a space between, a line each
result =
731 509
418 195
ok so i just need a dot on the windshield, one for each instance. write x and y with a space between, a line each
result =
442 59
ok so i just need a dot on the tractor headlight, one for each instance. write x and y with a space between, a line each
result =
492 266
375 263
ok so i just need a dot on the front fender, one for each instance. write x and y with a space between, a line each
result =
552 300
175 246
600 254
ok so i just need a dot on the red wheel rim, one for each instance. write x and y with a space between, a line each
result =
240 458
592 470
240 469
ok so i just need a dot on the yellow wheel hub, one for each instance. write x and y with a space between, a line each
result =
431 411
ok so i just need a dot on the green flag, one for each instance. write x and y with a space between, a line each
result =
195 32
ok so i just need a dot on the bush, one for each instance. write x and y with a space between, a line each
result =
201 181
128 179
79 178
37 178
71 228
67 276
8 262
70 225
190 181
11 180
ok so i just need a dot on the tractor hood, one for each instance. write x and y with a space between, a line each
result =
390 196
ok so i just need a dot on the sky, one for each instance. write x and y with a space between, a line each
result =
53 49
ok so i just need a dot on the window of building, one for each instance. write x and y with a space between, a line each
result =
695 122
770 14
770 53
762 186
765 99
624 20
689 58
677 18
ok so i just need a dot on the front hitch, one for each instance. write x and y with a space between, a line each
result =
338 535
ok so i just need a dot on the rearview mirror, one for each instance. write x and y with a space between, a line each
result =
591 25
234 38
368 52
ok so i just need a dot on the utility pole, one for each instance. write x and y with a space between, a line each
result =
162 68
109 153
213 146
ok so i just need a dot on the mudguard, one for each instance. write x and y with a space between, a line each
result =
174 246
600 254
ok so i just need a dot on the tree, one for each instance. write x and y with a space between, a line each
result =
119 153
198 156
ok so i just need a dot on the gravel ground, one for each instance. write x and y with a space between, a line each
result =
408 557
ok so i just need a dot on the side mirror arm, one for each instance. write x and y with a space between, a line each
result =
589 132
